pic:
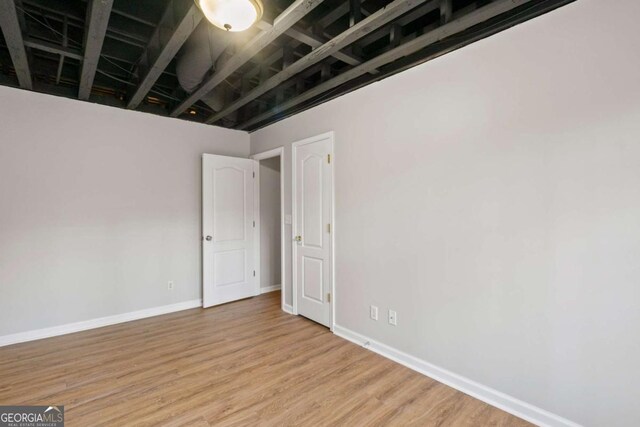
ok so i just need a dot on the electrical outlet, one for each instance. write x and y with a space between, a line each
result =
393 318
170 285
373 312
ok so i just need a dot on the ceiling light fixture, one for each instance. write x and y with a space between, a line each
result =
231 15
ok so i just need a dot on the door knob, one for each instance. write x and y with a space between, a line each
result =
298 239
208 238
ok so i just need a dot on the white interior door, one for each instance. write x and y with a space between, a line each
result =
313 189
228 229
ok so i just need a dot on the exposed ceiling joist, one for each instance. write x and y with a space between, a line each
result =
76 21
178 22
455 26
314 41
404 20
67 52
277 55
283 22
446 9
355 12
133 17
357 31
323 22
53 48
336 13
98 12
15 43
65 44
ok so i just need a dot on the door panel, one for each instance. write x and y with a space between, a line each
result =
229 192
313 188
229 267
228 251
311 207
312 283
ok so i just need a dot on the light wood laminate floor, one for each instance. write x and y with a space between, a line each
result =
244 363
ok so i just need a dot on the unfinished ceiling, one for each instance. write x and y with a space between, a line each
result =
163 57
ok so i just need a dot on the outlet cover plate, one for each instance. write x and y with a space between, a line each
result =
393 318
373 312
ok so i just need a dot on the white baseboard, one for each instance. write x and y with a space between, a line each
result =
486 394
96 323
287 308
270 289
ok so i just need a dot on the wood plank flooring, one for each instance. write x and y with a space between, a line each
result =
244 363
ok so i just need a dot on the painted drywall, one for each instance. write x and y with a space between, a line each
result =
492 198
270 244
99 209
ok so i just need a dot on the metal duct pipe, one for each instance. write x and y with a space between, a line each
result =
198 57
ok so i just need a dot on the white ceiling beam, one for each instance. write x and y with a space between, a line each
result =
98 12
15 42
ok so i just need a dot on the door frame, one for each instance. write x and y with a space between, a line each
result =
276 152
294 251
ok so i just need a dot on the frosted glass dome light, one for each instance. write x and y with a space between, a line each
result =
231 15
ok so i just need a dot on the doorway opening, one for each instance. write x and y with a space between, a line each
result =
270 227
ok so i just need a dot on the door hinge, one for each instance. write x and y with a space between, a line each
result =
254 174
329 158
254 224
329 297
254 273
328 228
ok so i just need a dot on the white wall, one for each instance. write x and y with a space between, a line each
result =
492 198
99 209
270 245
